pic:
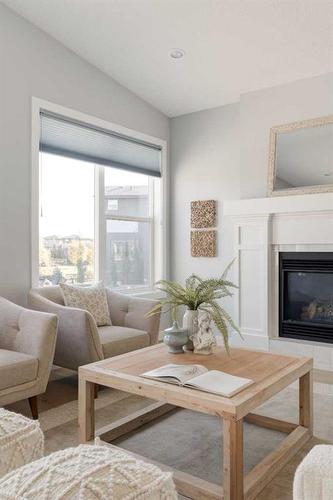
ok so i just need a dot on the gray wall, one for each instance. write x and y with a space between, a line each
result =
261 110
216 154
34 64
205 165
222 154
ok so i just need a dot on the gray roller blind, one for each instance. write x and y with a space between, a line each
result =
74 139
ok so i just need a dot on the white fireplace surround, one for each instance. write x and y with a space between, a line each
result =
262 228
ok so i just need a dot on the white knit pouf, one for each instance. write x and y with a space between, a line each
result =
88 473
314 476
21 441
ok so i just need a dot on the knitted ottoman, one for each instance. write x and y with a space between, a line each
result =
21 441
314 476
88 472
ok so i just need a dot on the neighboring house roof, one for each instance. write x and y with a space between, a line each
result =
70 237
125 192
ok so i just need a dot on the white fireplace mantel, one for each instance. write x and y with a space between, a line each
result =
280 204
262 228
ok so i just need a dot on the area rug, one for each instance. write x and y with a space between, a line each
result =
185 440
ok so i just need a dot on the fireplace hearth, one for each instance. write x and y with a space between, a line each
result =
306 296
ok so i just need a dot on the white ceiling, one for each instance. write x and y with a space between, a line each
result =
231 46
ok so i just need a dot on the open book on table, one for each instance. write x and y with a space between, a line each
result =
198 377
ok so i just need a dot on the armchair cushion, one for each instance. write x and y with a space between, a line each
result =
119 340
16 368
89 298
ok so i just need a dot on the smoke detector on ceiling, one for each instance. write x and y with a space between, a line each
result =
177 53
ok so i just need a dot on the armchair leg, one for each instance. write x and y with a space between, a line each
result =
34 407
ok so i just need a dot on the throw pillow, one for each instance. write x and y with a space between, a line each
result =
90 298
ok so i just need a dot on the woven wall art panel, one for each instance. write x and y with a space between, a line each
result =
203 213
203 243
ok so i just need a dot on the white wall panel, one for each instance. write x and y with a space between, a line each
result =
251 302
250 282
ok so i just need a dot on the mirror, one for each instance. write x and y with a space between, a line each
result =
301 157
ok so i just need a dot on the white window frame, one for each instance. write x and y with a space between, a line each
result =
130 218
159 226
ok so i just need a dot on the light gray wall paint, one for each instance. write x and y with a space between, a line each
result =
205 165
260 110
222 154
34 64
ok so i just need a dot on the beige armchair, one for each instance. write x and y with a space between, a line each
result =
27 345
80 341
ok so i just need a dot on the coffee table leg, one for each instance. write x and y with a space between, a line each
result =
233 482
306 401
86 410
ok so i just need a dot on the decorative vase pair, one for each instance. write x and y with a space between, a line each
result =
196 334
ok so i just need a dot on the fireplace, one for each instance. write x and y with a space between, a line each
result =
306 296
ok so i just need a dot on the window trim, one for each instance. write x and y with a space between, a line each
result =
132 218
160 222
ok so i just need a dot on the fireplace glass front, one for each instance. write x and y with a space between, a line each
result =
306 295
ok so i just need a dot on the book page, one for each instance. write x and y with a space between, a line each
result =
220 383
180 373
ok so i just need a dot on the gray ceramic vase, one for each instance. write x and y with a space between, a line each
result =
175 338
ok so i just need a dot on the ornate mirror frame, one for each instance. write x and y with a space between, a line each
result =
290 127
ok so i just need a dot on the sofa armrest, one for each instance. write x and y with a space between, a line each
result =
130 311
78 342
29 332
37 337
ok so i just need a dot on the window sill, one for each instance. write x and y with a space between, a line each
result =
150 293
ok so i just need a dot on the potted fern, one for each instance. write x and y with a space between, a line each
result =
198 295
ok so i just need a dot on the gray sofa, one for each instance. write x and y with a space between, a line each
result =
27 345
80 341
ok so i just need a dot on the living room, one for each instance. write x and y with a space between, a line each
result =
166 200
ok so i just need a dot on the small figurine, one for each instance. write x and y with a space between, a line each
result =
204 340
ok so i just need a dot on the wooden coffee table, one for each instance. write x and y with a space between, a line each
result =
271 373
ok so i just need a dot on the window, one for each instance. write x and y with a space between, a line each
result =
66 224
99 216
128 229
112 205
